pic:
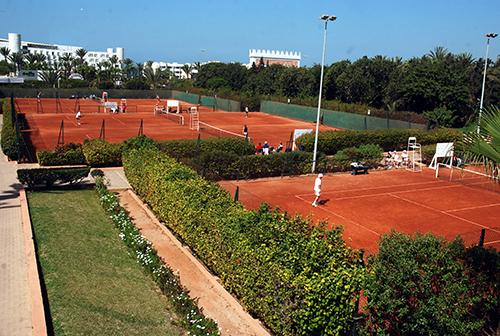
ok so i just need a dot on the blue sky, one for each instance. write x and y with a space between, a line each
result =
224 30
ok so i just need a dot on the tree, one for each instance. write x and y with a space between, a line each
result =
428 286
81 55
50 77
440 117
4 51
18 59
484 148
66 64
187 68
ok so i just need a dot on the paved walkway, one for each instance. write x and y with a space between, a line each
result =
15 304
215 301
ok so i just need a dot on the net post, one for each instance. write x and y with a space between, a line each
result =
481 238
141 128
60 138
102 134
237 194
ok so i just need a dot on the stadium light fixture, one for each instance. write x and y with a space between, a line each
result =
488 37
325 18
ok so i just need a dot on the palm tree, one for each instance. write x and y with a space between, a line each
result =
484 148
139 68
113 60
187 68
4 51
81 54
31 59
67 64
50 76
438 54
152 77
127 67
18 59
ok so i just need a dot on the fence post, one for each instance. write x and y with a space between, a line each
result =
102 134
141 128
60 138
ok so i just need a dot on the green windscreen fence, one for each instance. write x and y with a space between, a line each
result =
82 92
335 118
215 102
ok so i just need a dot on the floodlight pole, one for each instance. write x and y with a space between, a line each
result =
325 18
488 36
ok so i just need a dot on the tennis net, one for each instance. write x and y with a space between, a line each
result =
218 132
175 117
470 175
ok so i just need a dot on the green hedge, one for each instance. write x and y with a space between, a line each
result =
70 154
47 177
9 139
297 278
370 154
100 153
192 317
428 286
193 147
330 142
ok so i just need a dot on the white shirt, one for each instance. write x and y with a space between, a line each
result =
78 114
317 184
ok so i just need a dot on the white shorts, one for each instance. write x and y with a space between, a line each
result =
317 193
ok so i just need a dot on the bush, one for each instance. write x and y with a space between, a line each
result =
100 153
138 142
297 278
70 154
136 84
428 152
74 83
105 85
193 147
330 142
48 176
371 155
427 286
9 140
97 173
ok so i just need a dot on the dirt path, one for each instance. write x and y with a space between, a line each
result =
215 301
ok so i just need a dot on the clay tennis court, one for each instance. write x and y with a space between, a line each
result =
368 206
44 121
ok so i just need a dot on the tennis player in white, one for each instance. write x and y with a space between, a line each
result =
317 189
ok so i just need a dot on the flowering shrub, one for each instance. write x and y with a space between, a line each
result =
169 283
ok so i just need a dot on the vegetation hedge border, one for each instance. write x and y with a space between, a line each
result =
70 154
9 141
299 279
49 176
192 317
330 142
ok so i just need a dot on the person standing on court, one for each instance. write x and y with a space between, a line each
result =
77 117
317 189
246 111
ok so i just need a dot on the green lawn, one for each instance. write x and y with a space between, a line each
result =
94 286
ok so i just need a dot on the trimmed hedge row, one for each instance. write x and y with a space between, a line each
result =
192 318
9 139
330 142
47 177
297 278
100 153
70 154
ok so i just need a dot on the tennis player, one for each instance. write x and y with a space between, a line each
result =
317 189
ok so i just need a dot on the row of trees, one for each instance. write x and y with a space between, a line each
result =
107 74
444 86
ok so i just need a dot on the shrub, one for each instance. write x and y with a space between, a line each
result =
371 155
100 153
48 176
70 154
297 278
9 140
428 152
191 148
138 142
330 142
97 173
136 84
427 286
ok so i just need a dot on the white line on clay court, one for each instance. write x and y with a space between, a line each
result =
340 216
446 213
474 207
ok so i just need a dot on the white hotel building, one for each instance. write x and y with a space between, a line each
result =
175 68
286 58
53 52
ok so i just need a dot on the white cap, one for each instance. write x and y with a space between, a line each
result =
320 175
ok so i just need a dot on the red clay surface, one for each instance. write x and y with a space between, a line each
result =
44 122
368 206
